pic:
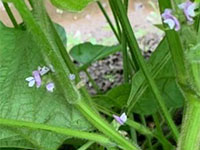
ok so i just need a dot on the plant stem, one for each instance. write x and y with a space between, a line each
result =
104 127
176 48
158 124
190 133
116 19
108 20
125 59
133 98
86 145
64 131
95 86
114 11
10 14
148 137
126 4
134 46
132 130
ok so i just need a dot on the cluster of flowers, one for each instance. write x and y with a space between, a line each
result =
36 78
189 11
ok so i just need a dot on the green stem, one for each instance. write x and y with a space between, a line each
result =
104 127
126 4
197 21
114 11
64 131
95 86
125 59
190 133
86 145
148 137
72 68
10 14
108 20
132 130
116 19
159 131
134 46
176 48
133 98
139 127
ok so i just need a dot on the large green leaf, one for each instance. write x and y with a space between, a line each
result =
71 5
87 53
19 56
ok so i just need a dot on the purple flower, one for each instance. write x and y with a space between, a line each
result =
50 87
31 81
44 70
188 8
38 80
122 119
72 76
171 20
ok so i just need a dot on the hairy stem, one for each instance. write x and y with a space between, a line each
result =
190 133
64 131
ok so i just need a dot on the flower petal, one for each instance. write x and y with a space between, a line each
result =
31 83
29 79
182 6
38 80
123 117
72 76
118 119
170 23
44 70
190 10
50 87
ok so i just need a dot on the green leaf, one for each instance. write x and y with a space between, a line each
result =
171 94
141 99
71 5
62 33
19 56
116 97
119 94
88 53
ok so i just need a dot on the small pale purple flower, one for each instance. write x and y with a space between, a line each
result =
38 80
122 119
31 81
188 8
50 87
72 76
44 70
171 20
